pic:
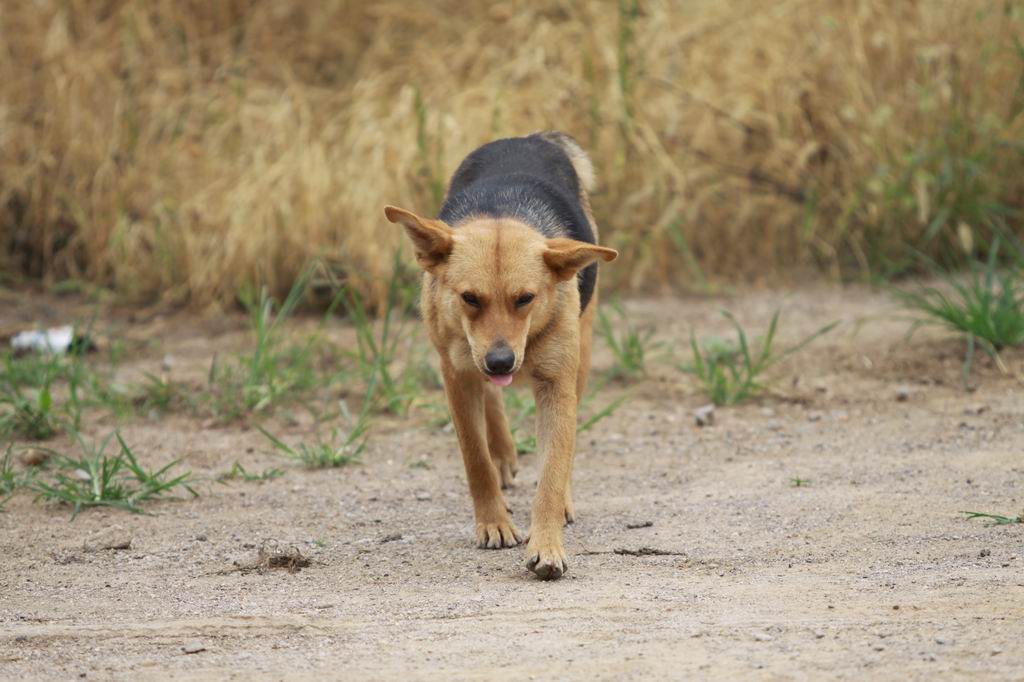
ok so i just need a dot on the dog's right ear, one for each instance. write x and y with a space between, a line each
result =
432 239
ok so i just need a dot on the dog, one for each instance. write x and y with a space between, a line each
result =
509 298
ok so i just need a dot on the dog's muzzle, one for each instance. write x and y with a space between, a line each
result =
499 363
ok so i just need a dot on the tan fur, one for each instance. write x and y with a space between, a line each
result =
580 161
498 261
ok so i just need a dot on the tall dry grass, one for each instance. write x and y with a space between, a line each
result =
178 150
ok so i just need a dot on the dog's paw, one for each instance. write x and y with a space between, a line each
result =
497 534
546 556
508 469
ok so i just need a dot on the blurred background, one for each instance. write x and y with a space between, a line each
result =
177 151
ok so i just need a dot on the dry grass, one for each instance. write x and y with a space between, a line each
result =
178 150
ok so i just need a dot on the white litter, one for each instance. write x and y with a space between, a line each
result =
56 340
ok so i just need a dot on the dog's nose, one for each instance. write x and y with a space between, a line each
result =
500 359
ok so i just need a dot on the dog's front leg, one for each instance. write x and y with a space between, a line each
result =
556 441
465 391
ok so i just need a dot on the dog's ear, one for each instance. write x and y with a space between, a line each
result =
566 257
432 239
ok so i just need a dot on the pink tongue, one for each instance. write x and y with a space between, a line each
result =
500 379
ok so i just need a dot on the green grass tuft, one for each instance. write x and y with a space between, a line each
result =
630 346
42 394
730 374
276 370
986 307
376 350
28 415
11 480
240 473
94 479
342 449
161 394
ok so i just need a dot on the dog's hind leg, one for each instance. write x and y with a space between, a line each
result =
500 443
582 373
465 392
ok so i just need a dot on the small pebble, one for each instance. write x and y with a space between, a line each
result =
818 634
422 496
762 637
193 647
705 416
985 553
814 416
903 394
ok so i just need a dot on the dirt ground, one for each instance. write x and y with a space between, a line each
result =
693 557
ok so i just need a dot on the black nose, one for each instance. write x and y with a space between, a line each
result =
500 359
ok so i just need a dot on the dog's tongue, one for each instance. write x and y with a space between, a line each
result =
500 379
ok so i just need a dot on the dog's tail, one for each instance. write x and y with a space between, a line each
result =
580 161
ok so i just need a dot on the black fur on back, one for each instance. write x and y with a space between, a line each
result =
529 179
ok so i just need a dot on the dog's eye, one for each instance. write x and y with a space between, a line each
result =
470 299
524 300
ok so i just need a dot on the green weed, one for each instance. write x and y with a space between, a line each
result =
49 392
94 479
239 473
626 67
520 410
376 351
28 415
798 482
730 374
952 183
997 519
987 307
33 370
8 476
675 233
431 161
342 449
438 410
605 411
161 394
11 481
630 346
276 369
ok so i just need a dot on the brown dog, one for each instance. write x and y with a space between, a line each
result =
509 294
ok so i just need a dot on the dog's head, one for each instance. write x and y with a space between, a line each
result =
497 280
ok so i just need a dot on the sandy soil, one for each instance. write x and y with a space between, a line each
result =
868 572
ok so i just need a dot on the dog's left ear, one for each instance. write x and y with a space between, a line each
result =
432 239
566 257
